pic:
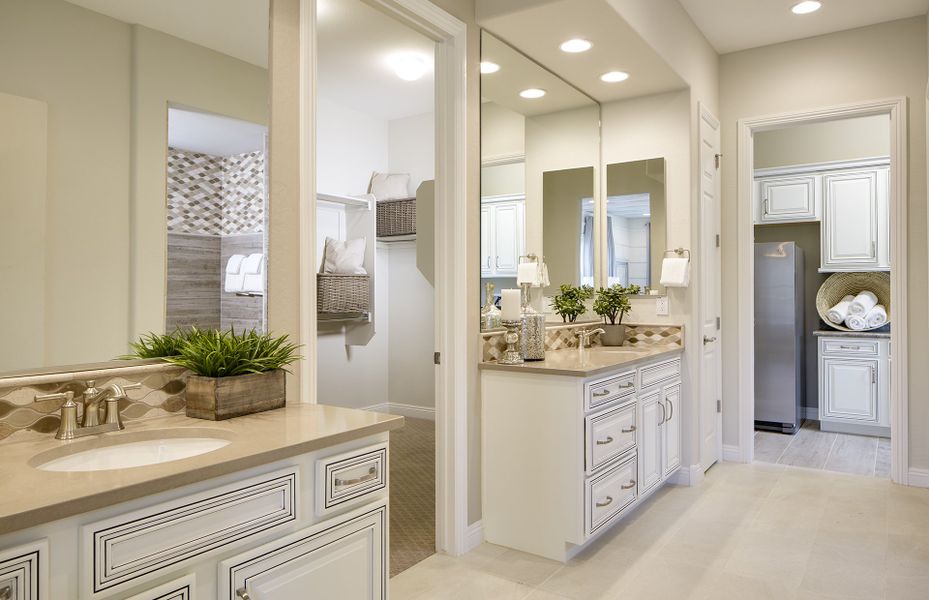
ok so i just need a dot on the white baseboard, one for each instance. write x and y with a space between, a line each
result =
474 537
404 410
731 453
689 476
918 478
811 413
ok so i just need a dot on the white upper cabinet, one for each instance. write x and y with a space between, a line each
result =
502 237
486 252
787 199
855 226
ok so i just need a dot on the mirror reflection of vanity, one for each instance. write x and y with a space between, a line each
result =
134 169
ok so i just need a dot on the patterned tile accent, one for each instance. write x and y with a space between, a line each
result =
22 417
215 195
560 336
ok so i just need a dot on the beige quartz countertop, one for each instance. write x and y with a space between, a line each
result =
32 497
591 361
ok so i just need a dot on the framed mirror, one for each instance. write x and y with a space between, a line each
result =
134 162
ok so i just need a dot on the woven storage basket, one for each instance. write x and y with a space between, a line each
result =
338 293
840 285
396 217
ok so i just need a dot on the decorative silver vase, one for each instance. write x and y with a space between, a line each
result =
490 314
532 329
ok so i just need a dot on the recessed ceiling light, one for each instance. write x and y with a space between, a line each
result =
488 67
532 93
614 76
410 66
576 45
806 7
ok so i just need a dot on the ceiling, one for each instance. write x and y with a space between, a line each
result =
207 133
238 28
355 43
732 25
538 28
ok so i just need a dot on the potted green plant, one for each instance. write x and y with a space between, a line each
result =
570 302
612 304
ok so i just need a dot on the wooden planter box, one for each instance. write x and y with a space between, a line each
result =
218 398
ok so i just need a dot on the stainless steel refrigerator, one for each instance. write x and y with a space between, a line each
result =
779 330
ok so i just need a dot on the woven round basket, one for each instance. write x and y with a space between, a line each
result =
840 285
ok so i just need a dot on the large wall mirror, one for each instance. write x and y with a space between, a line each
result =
540 157
133 163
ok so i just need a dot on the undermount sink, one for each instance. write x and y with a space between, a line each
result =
129 450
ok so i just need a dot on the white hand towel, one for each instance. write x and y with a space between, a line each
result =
234 264
235 278
544 281
675 272
254 272
862 303
839 312
876 317
856 322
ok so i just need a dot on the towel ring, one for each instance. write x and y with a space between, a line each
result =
679 252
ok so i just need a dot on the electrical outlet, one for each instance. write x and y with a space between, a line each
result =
662 306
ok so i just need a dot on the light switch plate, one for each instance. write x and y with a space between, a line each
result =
662 306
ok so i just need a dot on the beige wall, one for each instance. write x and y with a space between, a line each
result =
880 61
844 139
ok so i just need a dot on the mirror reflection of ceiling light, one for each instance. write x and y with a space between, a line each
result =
488 67
614 76
806 7
646 214
576 45
532 93
409 66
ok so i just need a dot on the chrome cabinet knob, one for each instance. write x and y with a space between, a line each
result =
708 340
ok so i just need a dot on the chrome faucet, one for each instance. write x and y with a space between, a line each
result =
584 335
68 429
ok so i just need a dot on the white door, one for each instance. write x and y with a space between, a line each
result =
486 245
850 221
343 558
788 199
850 389
709 293
650 441
506 238
671 429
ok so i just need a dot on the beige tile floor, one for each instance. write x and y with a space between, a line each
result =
760 531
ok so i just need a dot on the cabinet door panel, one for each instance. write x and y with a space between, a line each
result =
486 240
671 396
788 199
850 389
650 442
506 238
850 232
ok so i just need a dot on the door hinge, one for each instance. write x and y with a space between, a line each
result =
718 156
717 323
719 406
717 240
437 358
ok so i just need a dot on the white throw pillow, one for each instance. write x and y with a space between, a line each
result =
344 257
390 186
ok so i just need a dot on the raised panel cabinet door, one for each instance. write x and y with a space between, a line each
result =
506 238
650 444
671 434
788 199
850 224
850 389
486 241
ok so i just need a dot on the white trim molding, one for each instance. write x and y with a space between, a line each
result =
918 478
689 476
404 410
475 536
731 453
896 109
832 165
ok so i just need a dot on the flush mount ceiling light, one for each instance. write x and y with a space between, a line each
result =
488 67
576 45
409 66
532 93
614 76
806 7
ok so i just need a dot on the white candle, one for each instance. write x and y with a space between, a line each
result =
527 272
510 305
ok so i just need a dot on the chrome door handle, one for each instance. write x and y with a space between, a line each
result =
630 430
608 440
626 386
664 413
371 476
6 592
605 392
609 500
629 485
671 415
708 340
764 207
497 261
243 594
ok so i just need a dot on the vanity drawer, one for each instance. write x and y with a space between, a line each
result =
850 347
350 478
664 371
179 589
130 549
24 572
598 393
609 434
609 493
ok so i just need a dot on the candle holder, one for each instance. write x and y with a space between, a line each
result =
511 355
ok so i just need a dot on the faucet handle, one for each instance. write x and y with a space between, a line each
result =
68 397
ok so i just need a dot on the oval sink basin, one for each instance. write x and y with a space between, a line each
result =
131 450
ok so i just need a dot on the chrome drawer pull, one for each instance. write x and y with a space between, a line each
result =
6 592
608 440
609 500
629 485
372 475
630 430
605 392
626 386
243 594
850 347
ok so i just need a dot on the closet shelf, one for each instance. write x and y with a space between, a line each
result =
336 317
409 237
350 201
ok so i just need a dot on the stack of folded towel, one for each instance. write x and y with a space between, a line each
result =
245 274
859 312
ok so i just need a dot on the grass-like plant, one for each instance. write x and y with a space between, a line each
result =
158 345
214 353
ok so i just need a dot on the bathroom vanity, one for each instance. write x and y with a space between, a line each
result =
572 443
293 499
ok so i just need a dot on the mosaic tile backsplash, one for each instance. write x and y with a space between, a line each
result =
22 416
560 336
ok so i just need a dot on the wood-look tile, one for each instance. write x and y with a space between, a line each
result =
882 459
770 446
852 454
809 448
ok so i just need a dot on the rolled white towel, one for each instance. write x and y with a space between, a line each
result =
856 322
876 317
862 303
839 312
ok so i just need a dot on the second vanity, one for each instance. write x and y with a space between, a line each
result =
572 443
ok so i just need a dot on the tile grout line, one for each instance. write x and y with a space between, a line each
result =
829 454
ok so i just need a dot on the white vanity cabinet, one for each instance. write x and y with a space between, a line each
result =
788 199
566 456
854 384
502 235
